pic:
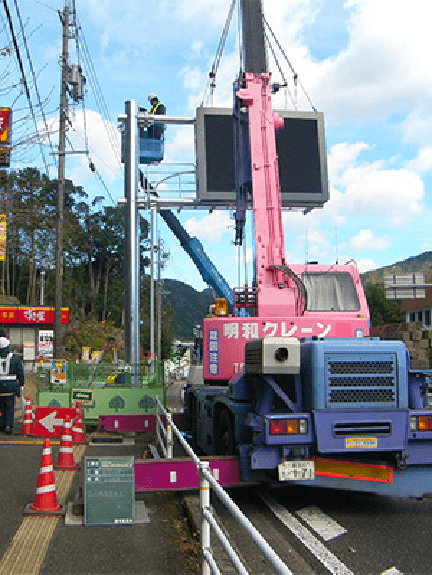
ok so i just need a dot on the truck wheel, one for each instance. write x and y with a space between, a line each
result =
225 442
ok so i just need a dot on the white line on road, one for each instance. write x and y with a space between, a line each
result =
392 571
324 525
330 561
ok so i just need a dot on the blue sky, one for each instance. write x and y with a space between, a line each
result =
364 63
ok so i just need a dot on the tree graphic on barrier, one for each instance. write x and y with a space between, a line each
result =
117 403
146 403
54 403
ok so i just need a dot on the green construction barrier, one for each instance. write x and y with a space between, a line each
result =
103 389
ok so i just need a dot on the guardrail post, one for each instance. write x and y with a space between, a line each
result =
170 442
205 526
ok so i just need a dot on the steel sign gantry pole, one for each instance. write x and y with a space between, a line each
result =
132 307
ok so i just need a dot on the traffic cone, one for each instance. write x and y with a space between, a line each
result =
45 502
28 418
77 427
66 459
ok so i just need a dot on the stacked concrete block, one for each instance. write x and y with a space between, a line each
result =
416 337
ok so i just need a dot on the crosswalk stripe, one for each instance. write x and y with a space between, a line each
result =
318 549
321 523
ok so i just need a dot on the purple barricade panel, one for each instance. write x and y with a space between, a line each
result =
135 422
182 474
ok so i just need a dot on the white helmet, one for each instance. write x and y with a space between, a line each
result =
152 97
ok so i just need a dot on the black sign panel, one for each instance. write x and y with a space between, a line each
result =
301 154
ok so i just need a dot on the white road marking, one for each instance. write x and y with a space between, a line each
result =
330 561
324 525
392 571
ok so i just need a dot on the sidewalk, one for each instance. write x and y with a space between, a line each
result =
31 545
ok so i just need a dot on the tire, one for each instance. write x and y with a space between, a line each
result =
225 440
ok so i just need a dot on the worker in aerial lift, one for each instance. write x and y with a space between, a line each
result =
156 131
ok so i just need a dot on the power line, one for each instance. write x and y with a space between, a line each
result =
23 76
35 85
99 98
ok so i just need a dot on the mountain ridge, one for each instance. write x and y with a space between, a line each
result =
422 263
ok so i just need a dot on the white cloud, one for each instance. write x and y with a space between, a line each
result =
210 228
375 191
365 240
365 265
180 144
196 50
370 189
423 162
343 156
385 65
213 12
100 149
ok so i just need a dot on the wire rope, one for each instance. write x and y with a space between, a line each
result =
285 83
218 56
296 80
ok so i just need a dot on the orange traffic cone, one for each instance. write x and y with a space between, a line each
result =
45 502
66 459
77 428
28 418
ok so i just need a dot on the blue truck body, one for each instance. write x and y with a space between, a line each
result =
362 416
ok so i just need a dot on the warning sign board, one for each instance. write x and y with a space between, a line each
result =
48 421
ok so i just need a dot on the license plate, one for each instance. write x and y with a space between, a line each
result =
292 470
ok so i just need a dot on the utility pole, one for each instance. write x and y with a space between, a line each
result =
58 327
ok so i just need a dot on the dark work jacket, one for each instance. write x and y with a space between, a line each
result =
15 368
157 130
159 109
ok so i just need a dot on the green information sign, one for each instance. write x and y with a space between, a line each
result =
109 491
83 395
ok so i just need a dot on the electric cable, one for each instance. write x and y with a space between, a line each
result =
99 98
35 87
23 76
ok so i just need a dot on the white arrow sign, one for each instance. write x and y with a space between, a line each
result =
49 422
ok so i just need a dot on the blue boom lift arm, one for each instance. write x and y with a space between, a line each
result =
193 247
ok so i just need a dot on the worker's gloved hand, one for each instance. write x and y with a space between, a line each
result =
143 109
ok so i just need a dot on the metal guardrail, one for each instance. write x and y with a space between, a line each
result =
208 520
168 448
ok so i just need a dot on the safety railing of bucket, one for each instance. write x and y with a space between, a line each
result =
166 440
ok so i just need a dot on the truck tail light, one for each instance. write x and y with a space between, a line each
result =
288 426
421 423
424 423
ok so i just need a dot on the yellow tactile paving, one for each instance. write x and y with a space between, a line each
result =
27 550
